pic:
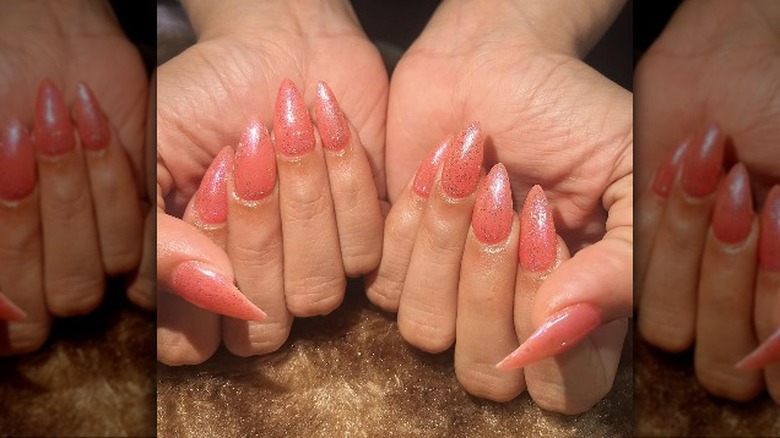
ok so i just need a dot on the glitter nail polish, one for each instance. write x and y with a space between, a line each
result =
492 216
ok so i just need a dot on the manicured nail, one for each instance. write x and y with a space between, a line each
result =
330 120
293 130
667 173
53 129
492 217
17 163
10 311
702 162
426 173
211 198
766 353
205 287
460 174
538 244
732 216
254 174
769 242
90 120
557 334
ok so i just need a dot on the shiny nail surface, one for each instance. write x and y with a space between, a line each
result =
17 163
293 130
703 161
557 334
538 244
10 311
254 175
426 173
211 198
769 242
667 173
90 120
53 129
331 121
492 216
766 353
462 163
732 215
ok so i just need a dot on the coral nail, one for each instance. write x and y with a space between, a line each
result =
293 130
254 174
732 216
492 217
426 173
769 242
90 120
538 246
10 311
766 353
205 287
460 174
331 120
53 129
667 172
557 334
211 198
702 162
17 163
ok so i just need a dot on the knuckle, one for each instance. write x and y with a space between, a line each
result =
479 382
727 384
314 295
74 295
429 333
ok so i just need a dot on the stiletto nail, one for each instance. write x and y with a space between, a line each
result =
766 353
10 311
211 198
90 120
293 130
538 244
460 174
769 242
254 175
557 334
426 173
17 163
667 173
702 163
492 217
732 216
330 120
205 287
53 129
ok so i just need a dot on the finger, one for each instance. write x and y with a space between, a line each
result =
667 313
254 246
426 313
724 322
314 280
112 185
384 286
485 330
73 270
355 197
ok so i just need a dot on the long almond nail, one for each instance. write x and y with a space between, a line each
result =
766 353
538 244
702 163
557 334
492 217
205 287
53 129
331 121
462 164
17 163
667 172
429 167
732 216
293 130
90 120
254 175
769 242
211 198
10 311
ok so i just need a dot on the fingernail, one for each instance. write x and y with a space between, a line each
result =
254 175
557 334
766 353
667 173
460 174
205 287
90 120
211 198
426 173
702 163
492 217
293 130
769 241
53 129
10 311
538 246
732 216
330 120
17 163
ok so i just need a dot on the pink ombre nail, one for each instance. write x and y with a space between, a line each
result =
90 120
331 122
538 243
667 172
10 311
769 240
53 129
702 163
293 130
426 173
17 163
732 216
254 174
462 164
766 353
492 216
211 198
